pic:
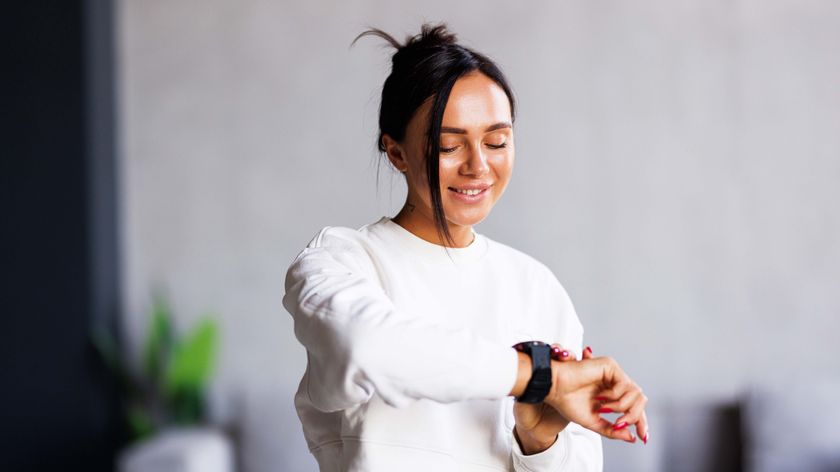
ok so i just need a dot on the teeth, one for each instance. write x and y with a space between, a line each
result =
468 192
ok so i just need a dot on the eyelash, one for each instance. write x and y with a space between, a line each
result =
491 146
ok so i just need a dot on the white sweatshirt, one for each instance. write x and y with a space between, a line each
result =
409 353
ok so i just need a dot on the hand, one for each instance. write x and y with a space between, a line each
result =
582 390
538 424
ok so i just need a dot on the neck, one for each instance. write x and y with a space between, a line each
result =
423 226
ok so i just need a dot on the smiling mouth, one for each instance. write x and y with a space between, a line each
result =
469 192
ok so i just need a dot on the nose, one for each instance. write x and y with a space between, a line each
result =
476 163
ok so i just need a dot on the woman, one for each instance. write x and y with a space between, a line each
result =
408 322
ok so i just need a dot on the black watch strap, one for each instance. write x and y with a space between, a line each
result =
540 383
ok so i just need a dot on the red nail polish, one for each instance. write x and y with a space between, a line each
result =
564 354
601 399
621 425
555 353
605 410
588 349
644 439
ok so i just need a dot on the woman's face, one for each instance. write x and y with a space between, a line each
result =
476 151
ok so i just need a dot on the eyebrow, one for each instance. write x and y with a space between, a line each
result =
493 127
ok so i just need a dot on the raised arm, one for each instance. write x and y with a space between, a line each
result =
358 342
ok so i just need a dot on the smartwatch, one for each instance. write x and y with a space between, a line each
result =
540 383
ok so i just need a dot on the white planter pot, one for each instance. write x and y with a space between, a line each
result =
192 449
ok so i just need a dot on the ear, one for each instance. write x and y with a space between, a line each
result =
395 152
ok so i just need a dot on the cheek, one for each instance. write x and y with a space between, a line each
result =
448 171
504 166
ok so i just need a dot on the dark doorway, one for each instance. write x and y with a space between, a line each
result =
60 255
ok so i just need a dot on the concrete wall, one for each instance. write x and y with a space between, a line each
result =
677 168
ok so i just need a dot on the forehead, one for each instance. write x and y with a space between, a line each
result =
475 102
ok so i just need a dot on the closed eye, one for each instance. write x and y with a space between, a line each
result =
491 146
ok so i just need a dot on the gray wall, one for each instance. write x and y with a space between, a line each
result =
677 168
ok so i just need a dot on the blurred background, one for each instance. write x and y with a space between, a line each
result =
677 168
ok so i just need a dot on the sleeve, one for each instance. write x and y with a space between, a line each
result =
359 343
576 448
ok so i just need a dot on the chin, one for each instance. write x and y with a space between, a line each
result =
467 218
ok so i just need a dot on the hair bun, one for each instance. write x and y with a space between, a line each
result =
431 36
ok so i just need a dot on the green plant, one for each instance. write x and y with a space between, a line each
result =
170 386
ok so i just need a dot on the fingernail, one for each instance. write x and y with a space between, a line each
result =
621 425
645 438
564 354
601 399
555 352
588 349
605 410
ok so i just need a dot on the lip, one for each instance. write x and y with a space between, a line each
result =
478 186
470 198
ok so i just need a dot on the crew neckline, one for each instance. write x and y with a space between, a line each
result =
435 252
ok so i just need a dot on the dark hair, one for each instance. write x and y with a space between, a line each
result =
427 65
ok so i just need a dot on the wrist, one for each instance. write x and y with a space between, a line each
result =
532 443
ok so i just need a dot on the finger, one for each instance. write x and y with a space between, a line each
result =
558 353
613 374
623 404
587 353
642 428
611 431
616 382
622 431
598 406
634 413
606 395
616 398
602 398
611 397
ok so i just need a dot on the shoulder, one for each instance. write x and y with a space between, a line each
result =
343 239
337 236
330 245
333 236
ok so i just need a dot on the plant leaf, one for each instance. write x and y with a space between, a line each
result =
193 359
